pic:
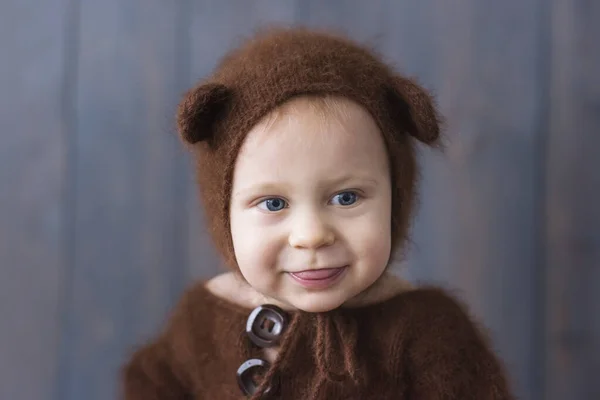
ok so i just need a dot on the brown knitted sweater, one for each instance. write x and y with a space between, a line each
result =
420 344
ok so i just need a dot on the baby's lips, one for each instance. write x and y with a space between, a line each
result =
317 274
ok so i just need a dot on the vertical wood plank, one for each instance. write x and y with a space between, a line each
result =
571 210
129 237
34 125
360 20
218 25
475 229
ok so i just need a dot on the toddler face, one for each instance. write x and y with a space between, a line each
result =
311 204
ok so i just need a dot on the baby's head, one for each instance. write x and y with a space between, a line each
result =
305 159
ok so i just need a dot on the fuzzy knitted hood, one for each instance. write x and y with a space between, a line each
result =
280 63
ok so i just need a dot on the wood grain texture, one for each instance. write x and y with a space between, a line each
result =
100 222
34 108
358 19
216 27
128 227
571 208
477 229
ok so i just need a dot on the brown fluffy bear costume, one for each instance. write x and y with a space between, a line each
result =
420 344
253 80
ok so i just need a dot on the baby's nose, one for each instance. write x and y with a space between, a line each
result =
311 232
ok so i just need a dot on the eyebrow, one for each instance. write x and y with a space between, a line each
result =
351 178
277 187
265 187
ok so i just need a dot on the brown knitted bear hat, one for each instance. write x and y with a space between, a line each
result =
271 68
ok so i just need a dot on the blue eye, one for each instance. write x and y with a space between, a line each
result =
274 204
345 198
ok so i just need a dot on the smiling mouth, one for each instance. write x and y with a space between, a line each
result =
317 274
316 279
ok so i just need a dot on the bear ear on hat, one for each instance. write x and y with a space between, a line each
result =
200 109
415 110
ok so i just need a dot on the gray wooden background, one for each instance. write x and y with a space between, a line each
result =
100 228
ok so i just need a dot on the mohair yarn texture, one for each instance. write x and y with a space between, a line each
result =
418 344
271 68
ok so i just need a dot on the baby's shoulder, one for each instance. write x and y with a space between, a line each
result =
201 314
427 301
434 311
200 335
213 299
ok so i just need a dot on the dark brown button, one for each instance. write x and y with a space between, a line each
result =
265 325
247 374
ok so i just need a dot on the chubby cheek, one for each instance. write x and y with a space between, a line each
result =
256 251
372 246
376 252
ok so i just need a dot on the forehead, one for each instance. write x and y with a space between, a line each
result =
312 136
307 121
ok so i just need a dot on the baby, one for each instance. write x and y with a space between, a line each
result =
305 154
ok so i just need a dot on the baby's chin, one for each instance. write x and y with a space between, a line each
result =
315 303
293 299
